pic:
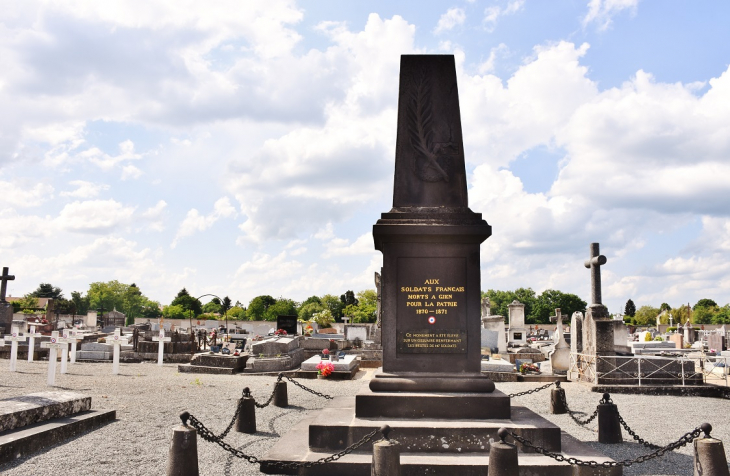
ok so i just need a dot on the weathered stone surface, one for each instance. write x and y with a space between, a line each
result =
497 365
25 410
345 364
236 363
31 439
276 345
93 355
312 343
275 364
370 404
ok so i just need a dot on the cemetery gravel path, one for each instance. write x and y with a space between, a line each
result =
148 399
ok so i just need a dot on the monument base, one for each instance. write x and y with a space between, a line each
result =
431 382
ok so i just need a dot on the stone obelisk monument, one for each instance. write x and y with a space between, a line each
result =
430 243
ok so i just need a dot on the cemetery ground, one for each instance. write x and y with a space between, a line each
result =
148 399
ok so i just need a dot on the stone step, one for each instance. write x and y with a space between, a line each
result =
202 369
17 412
293 448
25 441
338 427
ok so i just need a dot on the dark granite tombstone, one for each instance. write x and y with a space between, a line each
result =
287 323
6 309
430 241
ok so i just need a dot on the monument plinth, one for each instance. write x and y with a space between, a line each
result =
430 243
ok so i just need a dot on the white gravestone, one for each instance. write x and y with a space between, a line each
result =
74 336
517 331
64 351
31 335
14 338
161 349
53 345
117 340
560 356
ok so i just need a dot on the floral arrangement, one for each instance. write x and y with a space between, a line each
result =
325 352
325 369
280 332
309 330
713 351
524 368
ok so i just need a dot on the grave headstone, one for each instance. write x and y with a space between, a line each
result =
560 356
288 324
714 341
14 338
6 309
74 336
54 345
517 332
117 340
356 331
493 334
32 334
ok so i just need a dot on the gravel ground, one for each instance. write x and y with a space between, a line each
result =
149 398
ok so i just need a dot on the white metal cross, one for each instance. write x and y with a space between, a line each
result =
53 345
31 335
117 340
73 336
14 338
161 349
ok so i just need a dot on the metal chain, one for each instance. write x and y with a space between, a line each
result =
271 397
534 390
634 435
308 464
683 441
208 435
230 425
572 413
314 392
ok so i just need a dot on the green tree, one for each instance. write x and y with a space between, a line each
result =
132 303
630 308
109 295
705 314
348 299
175 311
47 290
704 303
665 307
213 306
150 309
335 306
64 306
81 302
364 310
306 311
500 301
681 314
237 312
282 307
646 316
187 302
723 315
323 318
258 307
225 305
550 299
28 303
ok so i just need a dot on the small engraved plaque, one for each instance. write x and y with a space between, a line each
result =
432 341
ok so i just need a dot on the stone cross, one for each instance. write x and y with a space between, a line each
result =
4 278
31 335
161 349
53 344
14 338
65 340
594 264
117 340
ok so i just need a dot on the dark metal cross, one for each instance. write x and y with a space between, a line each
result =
4 283
594 264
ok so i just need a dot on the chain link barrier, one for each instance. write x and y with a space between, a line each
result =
209 436
313 392
271 397
633 434
572 413
682 441
534 390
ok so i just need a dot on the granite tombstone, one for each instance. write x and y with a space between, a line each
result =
288 324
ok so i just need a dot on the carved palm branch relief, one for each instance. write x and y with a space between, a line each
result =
428 165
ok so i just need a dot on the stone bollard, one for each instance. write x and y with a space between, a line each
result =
386 456
557 400
710 457
503 457
281 397
609 428
182 459
246 420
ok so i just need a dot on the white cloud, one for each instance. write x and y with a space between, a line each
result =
154 215
84 189
602 12
131 172
195 222
94 216
25 193
452 18
363 245
488 65
492 13
19 229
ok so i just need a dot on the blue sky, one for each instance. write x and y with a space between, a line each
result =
246 148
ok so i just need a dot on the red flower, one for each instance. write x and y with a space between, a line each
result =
325 352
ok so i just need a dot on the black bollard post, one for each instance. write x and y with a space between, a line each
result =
182 458
503 457
609 428
386 456
246 421
557 400
281 397
710 457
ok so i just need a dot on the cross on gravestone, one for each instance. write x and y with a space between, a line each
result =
14 338
64 352
117 340
53 345
4 278
594 263
31 335
161 349
73 336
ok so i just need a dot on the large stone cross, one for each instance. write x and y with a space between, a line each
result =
4 278
594 263
558 317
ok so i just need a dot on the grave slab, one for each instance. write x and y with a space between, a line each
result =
345 364
25 410
497 365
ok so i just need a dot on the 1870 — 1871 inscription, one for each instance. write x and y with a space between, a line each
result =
431 306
